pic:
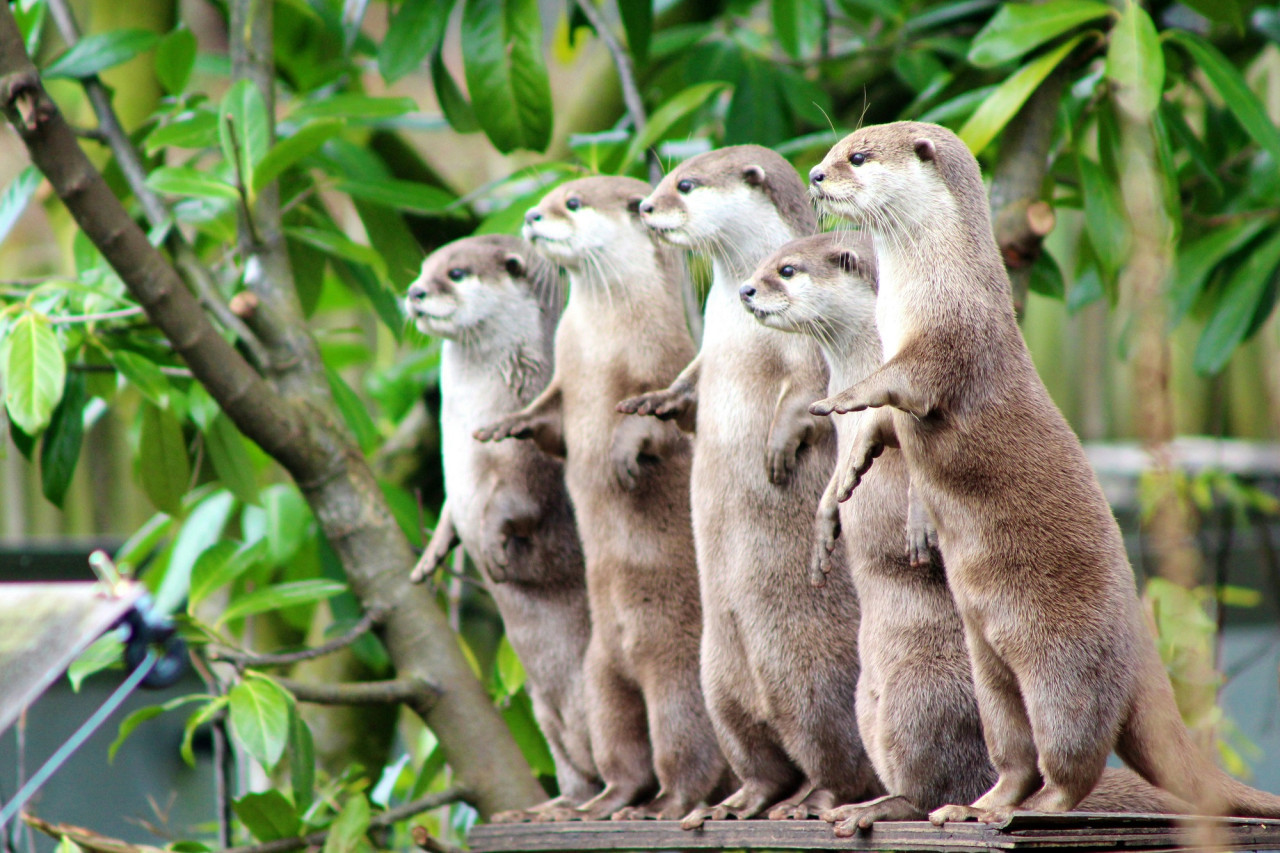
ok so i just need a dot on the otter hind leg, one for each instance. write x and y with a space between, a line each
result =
619 736
849 819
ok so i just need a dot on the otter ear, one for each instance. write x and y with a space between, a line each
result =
925 149
514 265
845 259
753 175
633 204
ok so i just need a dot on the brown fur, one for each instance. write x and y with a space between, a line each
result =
779 659
507 503
1064 664
916 708
622 331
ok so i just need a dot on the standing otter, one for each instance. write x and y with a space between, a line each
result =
629 481
496 302
916 708
779 659
1064 664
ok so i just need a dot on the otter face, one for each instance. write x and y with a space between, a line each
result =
882 175
710 198
585 218
816 283
470 284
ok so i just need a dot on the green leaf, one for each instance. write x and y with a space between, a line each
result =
1225 11
385 303
244 129
354 411
195 721
287 519
230 458
184 180
105 652
140 716
1234 313
302 762
260 719
354 108
1046 277
162 459
518 715
175 57
1242 102
1018 28
287 152
100 51
139 547
1197 260
1002 104
61 446
797 24
220 564
197 129
502 58
455 106
347 832
1105 219
280 596
269 815
637 20
16 198
511 672
337 245
1135 62
143 374
35 374
400 195
677 107
416 28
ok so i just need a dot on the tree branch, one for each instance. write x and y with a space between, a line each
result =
418 693
112 132
242 658
626 76
1020 218
424 839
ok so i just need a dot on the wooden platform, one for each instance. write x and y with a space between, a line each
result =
1077 831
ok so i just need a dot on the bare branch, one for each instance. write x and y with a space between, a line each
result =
626 76
113 134
424 839
122 314
417 693
176 372
243 658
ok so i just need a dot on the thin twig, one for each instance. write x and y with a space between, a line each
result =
417 693
195 273
176 372
385 819
243 658
222 768
424 839
626 77
121 314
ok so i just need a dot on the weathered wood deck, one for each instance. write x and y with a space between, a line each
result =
1077 831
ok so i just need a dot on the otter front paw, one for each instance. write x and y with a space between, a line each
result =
512 426
667 404
432 558
826 534
922 538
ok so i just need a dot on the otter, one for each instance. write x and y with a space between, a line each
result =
628 479
1064 664
917 714
779 660
495 303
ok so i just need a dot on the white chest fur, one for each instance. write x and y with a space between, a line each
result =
890 307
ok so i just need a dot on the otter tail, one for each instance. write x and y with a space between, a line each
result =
1156 743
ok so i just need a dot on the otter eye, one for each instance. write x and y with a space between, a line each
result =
787 271
457 274
685 187
858 159
573 203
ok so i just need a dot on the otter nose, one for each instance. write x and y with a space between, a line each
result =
747 291
417 292
816 175
532 216
646 207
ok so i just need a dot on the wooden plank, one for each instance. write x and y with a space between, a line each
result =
1072 832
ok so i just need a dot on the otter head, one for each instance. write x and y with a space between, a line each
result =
896 177
473 287
723 196
578 223
819 285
